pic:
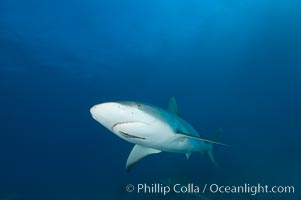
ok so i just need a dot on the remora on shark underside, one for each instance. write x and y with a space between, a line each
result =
152 129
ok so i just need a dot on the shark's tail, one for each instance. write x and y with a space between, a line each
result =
214 137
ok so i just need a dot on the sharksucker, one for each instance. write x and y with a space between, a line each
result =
127 135
130 136
119 123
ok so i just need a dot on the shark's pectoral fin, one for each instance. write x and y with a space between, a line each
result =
188 155
137 153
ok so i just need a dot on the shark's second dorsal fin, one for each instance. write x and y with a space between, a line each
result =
172 105
137 153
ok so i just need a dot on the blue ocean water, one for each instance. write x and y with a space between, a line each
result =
234 65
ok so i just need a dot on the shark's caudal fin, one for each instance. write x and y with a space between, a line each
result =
214 137
137 153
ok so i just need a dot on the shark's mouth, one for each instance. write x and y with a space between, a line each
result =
124 134
120 123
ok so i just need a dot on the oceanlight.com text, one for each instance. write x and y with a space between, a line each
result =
191 188
251 189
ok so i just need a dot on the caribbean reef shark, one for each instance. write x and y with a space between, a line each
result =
152 129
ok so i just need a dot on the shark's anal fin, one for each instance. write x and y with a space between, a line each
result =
173 106
138 152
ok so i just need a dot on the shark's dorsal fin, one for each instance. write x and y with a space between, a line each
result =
172 105
138 152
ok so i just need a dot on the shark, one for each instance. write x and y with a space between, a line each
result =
152 129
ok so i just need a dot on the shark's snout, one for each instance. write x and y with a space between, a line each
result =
102 110
92 111
97 111
109 113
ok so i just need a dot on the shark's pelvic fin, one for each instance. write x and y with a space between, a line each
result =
137 153
210 143
173 106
